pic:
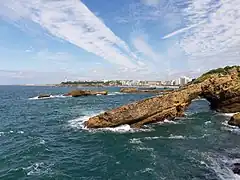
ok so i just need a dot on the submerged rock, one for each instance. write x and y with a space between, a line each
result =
220 87
44 96
235 120
236 168
77 93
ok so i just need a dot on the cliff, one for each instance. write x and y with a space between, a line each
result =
220 87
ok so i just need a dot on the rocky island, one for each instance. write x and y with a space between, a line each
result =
221 87
147 90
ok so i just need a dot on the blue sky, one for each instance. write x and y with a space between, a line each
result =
47 41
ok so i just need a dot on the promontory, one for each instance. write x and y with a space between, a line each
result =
221 87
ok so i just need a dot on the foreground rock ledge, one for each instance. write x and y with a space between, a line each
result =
222 90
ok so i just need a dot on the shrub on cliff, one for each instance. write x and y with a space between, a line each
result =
219 71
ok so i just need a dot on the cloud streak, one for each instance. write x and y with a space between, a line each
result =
72 21
182 30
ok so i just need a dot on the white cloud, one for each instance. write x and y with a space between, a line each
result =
143 47
72 21
219 33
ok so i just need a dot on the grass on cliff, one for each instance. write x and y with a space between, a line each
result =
219 71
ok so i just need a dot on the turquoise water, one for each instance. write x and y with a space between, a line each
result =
45 139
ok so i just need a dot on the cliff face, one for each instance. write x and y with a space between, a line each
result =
222 90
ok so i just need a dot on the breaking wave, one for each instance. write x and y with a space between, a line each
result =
79 124
50 97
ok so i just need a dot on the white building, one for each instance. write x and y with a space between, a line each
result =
184 80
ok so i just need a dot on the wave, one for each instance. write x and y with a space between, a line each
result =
207 122
171 136
38 169
228 114
115 93
135 141
166 121
199 99
11 132
51 97
79 124
232 129
221 166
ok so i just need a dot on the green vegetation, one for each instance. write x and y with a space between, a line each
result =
219 71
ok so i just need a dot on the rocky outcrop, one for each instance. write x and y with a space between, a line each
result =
77 93
150 90
44 96
221 89
235 120
236 168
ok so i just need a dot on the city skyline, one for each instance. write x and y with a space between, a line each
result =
45 41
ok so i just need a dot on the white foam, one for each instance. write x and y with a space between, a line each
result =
233 129
167 122
42 141
115 93
135 141
2 133
20 132
79 124
228 114
122 129
51 97
207 122
199 99
220 167
174 137
37 169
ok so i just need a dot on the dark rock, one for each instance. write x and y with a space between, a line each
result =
235 120
236 168
77 93
44 96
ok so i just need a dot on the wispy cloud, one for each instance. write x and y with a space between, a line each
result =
219 33
182 30
72 21
144 48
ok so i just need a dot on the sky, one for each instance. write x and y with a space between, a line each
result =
49 41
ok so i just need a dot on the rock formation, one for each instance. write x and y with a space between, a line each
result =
77 93
136 90
220 87
235 120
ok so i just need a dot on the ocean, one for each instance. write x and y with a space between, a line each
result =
45 139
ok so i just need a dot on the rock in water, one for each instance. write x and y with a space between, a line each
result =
236 168
235 120
150 90
128 90
220 87
77 93
44 96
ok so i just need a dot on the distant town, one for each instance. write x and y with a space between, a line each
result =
176 82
